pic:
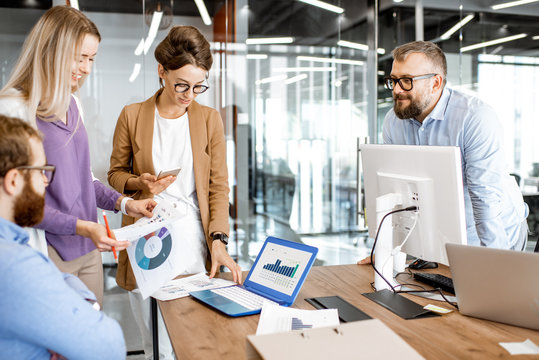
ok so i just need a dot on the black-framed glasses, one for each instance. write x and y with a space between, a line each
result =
197 89
46 170
406 83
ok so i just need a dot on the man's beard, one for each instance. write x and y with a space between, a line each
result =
29 205
414 108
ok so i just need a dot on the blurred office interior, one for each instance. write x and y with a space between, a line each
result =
299 87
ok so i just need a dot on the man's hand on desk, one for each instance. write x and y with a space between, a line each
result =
366 261
219 256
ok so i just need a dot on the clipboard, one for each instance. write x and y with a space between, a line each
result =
360 339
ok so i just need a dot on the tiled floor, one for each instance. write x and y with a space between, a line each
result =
245 242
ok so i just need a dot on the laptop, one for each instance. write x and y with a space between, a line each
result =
497 285
276 276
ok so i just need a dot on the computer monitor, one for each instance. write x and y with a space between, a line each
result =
429 177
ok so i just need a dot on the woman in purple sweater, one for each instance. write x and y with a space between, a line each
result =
55 59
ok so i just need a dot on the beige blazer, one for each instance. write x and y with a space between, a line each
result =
132 156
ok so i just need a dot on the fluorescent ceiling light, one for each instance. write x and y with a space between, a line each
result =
330 60
354 45
536 37
456 27
324 5
257 56
134 74
511 4
297 78
270 79
492 42
140 47
156 20
203 12
274 40
305 68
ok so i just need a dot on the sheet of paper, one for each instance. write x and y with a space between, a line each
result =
274 319
155 250
178 288
163 214
527 347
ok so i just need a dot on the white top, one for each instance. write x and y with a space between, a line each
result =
171 149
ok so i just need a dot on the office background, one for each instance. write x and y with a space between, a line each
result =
295 111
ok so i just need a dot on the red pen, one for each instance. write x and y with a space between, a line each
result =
109 234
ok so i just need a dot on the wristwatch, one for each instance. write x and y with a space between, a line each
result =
222 237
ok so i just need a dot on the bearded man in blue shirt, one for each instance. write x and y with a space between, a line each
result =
44 314
426 112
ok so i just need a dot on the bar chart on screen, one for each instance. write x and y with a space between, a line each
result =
281 267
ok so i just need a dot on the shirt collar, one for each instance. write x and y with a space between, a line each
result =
12 232
439 110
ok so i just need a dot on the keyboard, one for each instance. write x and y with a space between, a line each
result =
243 297
436 280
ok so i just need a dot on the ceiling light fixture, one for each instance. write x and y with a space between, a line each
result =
273 40
152 33
270 79
257 56
324 5
511 4
456 27
203 12
305 68
140 47
297 78
536 37
354 45
330 60
492 42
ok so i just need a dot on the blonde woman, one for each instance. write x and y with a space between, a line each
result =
171 130
55 60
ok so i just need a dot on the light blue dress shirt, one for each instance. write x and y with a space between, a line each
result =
494 205
40 311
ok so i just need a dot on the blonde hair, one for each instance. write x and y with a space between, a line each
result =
42 74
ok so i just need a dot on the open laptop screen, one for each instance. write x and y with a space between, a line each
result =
280 268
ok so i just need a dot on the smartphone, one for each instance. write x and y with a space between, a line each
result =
165 173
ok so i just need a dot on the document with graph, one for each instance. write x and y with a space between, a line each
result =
277 275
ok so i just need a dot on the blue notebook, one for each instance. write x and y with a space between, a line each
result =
277 275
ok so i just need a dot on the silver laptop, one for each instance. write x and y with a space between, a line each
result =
498 285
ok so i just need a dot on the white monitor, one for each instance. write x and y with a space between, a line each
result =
429 177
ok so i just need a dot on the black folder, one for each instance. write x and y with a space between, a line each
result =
405 308
347 311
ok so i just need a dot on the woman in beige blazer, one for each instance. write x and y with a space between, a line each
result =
171 130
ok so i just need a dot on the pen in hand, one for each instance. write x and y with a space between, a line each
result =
109 234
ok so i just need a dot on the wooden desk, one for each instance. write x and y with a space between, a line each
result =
198 332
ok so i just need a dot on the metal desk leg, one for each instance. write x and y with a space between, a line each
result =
155 334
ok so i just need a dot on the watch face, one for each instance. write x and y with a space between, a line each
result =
222 237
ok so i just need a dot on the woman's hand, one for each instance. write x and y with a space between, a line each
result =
149 184
219 256
98 234
139 208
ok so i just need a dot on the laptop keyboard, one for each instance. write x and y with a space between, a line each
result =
243 297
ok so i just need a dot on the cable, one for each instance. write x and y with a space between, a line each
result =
409 208
398 248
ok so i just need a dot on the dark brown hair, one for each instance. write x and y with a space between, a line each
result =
184 45
435 55
15 149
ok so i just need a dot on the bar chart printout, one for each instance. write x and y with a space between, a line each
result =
282 269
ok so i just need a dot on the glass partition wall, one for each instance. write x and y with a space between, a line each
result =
298 86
